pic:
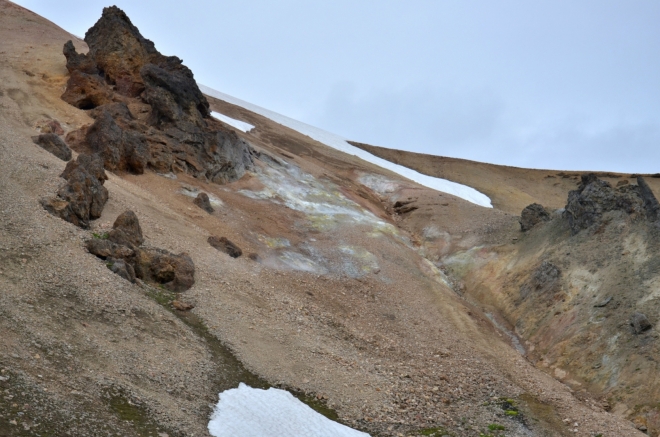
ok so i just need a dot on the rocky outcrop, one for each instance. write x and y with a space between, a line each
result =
595 197
54 144
83 197
226 246
545 280
122 249
202 200
176 134
532 215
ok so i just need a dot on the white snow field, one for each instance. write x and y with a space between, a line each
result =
252 412
339 143
238 124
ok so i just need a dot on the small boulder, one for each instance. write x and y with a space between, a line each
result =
532 215
104 248
182 306
121 268
126 230
54 144
83 197
226 246
640 323
174 272
202 200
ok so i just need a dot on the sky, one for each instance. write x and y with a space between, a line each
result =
561 84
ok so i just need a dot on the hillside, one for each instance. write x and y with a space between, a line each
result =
338 294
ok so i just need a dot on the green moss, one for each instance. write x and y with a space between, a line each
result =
100 236
496 427
136 415
433 432
512 413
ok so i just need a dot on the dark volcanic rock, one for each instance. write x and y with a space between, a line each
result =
120 150
54 144
122 268
546 279
177 136
226 246
532 215
126 230
640 323
83 197
202 200
174 272
651 204
595 197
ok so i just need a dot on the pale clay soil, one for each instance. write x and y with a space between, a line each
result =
391 349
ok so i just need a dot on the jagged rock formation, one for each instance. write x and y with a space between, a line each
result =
171 129
53 144
226 246
83 197
202 200
125 256
532 215
595 197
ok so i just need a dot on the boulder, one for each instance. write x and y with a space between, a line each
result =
202 200
126 230
174 272
121 268
640 323
54 144
226 246
651 204
83 197
595 197
104 249
532 215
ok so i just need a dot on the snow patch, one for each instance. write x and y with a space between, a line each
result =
247 411
237 124
341 144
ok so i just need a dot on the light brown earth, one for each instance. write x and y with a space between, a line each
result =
348 310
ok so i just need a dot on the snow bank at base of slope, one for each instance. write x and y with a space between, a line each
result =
247 411
238 124
339 143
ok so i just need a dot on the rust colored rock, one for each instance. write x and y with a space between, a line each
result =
226 246
83 197
53 144
182 306
532 215
52 127
174 272
86 91
126 230
202 200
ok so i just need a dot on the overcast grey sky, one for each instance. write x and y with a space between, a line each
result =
561 84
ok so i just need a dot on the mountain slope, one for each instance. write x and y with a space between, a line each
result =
337 300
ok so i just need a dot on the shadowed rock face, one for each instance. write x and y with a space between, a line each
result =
122 69
54 144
